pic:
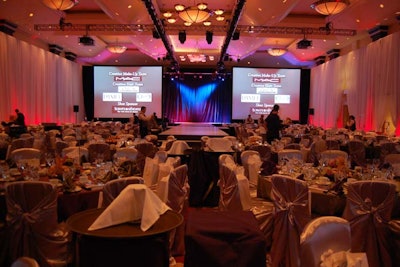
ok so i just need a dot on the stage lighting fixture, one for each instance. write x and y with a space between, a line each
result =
182 37
209 37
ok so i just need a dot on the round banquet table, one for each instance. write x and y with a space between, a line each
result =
123 244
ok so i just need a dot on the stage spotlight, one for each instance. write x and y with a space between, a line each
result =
182 37
209 37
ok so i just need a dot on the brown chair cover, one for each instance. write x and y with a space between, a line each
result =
264 151
129 153
223 238
292 213
323 234
229 198
368 209
99 149
332 144
112 188
145 149
25 153
357 152
394 226
178 191
60 145
386 149
315 150
32 223
244 158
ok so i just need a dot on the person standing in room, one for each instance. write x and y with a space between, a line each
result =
274 124
143 122
351 123
20 120
249 120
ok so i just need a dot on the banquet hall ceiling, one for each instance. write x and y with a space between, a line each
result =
276 23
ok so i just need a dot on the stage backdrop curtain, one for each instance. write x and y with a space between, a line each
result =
44 86
370 78
196 99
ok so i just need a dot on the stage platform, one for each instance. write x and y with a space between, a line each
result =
192 131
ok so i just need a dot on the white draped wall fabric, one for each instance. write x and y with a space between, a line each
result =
370 77
44 86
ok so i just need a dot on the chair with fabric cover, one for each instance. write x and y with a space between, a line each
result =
251 162
333 154
112 188
145 149
69 138
130 153
25 154
25 262
357 152
392 158
32 224
59 146
231 138
388 148
332 144
316 148
368 209
290 154
264 151
161 156
99 150
19 143
292 213
173 189
394 226
81 153
152 138
323 234
235 196
219 145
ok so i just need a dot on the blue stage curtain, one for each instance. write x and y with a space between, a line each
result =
193 99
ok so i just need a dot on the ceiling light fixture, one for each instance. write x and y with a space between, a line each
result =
116 48
60 4
330 7
193 14
277 51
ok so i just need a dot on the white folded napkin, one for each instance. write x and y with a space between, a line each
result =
135 202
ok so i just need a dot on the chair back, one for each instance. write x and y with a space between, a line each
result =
161 156
25 262
76 152
112 188
332 144
32 222
251 162
59 146
178 148
357 152
264 151
99 150
292 213
234 189
334 154
290 154
392 158
25 154
388 148
130 153
323 234
368 208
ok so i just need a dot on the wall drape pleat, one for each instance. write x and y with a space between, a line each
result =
44 86
370 79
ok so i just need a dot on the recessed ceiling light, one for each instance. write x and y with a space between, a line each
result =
324 40
116 61
357 20
381 5
337 43
130 6
30 14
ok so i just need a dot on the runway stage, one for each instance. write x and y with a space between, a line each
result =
192 131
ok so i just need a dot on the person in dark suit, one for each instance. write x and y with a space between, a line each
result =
274 124
20 120
351 123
